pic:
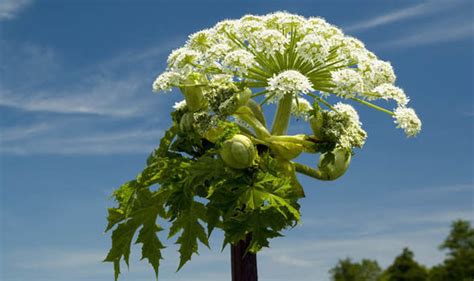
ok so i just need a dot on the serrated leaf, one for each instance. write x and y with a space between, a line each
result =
115 216
212 218
146 207
191 231
121 241
116 269
151 249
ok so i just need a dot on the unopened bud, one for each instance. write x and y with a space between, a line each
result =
193 92
238 152
334 164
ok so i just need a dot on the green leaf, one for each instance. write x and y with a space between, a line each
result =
192 231
212 218
146 207
115 216
121 241
152 246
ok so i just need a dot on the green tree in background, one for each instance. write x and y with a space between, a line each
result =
405 268
347 270
459 265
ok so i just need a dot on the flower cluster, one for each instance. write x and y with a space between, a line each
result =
407 119
285 55
313 48
347 82
270 42
343 127
301 108
288 82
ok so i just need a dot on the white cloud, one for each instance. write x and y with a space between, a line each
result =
119 97
437 32
423 9
19 133
119 86
57 259
39 140
10 9
79 109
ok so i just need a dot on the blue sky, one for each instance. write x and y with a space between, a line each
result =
78 119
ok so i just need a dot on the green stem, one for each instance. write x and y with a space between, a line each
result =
259 128
281 120
306 170
259 93
322 101
373 106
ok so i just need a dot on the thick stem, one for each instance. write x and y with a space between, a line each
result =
282 115
305 170
244 265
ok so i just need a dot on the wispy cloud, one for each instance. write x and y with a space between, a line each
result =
114 87
423 9
19 133
38 139
79 111
109 96
61 259
438 32
10 9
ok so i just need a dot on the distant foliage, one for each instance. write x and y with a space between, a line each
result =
405 268
458 265
347 270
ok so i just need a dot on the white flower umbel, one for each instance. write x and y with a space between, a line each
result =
321 27
283 20
389 91
180 105
288 22
201 40
288 82
282 56
300 108
216 53
347 83
238 61
376 72
406 119
249 26
166 81
183 60
270 42
344 127
313 48
349 110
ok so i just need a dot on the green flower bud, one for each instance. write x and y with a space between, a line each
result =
194 93
213 133
334 164
243 97
316 123
187 121
238 152
232 104
286 150
287 147
257 111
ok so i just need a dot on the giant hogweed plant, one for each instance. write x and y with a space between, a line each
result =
221 165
